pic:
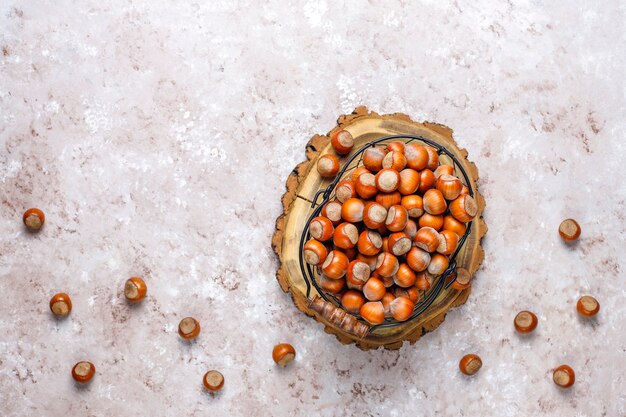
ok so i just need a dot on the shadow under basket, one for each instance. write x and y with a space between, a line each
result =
306 194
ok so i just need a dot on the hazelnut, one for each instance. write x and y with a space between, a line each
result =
525 322
61 304
587 306
33 219
135 289
283 354
569 230
83 372
188 328
342 142
373 312
564 376
213 381
470 364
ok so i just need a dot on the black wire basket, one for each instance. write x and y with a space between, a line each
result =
441 282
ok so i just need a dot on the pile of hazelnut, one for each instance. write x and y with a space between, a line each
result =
390 230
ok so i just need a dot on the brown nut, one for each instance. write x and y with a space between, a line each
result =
328 166
399 243
427 239
283 354
452 224
397 218
418 259
135 289
345 189
409 181
321 228
352 301
448 242
358 273
434 203
569 230
352 210
346 236
83 372
401 308
373 158
427 180
416 156
33 219
332 211
366 185
342 142
525 322
564 376
587 306
449 185
314 252
370 242
387 180
438 264
387 265
335 265
373 312
61 304
413 204
464 208
470 364
188 328
213 381
374 289
374 215
405 277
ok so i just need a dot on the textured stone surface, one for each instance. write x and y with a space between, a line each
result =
157 137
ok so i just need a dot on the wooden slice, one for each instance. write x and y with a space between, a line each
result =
302 184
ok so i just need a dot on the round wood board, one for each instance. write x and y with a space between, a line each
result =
302 184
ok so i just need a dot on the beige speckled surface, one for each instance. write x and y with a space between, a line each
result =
157 137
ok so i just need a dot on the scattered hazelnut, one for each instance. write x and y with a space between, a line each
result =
283 354
33 219
135 289
470 364
213 381
569 230
564 376
525 322
60 304
587 306
188 328
83 372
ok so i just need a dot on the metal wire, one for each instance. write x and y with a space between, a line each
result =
439 283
